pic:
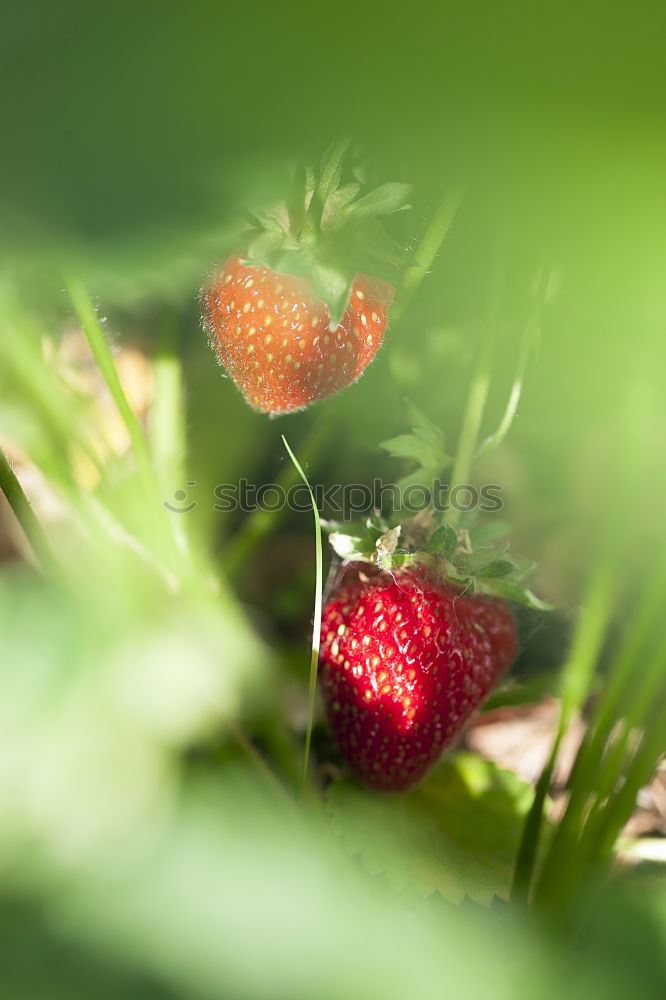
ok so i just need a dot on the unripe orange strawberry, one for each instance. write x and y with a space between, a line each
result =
274 336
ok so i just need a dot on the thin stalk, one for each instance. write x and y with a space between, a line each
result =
476 399
427 250
316 622
261 523
530 335
101 352
24 513
527 851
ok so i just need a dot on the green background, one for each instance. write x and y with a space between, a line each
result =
131 136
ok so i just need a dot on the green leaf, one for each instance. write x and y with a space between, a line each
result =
474 563
499 568
523 568
443 541
349 546
263 245
331 169
332 213
384 200
515 590
456 834
409 446
418 418
261 221
355 539
431 436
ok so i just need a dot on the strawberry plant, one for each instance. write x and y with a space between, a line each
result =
459 787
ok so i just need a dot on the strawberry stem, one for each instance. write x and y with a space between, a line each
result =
430 245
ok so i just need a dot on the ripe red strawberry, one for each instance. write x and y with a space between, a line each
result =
405 660
296 316
273 334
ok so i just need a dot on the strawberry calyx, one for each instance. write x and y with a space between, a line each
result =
329 231
452 555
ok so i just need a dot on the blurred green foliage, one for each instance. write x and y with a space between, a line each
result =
146 850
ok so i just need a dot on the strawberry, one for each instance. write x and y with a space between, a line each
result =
406 658
275 338
301 311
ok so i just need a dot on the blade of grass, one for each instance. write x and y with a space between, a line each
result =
578 670
101 352
530 336
599 761
598 771
24 513
603 835
614 796
316 623
261 523
636 710
50 399
617 691
166 545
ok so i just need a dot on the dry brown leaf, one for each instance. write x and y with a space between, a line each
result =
520 738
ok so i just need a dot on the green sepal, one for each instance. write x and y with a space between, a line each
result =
356 540
263 245
443 541
475 563
384 200
515 590
332 214
334 288
329 232
446 554
499 568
